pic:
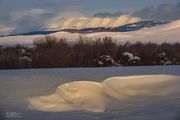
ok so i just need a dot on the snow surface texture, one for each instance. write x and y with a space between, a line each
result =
99 97
158 34
19 86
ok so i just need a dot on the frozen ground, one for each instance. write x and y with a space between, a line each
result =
152 97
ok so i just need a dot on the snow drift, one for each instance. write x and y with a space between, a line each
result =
112 93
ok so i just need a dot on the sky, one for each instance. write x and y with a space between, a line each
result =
17 16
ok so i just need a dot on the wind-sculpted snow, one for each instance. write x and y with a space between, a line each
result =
112 93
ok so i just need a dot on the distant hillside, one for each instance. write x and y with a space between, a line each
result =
33 33
144 31
124 28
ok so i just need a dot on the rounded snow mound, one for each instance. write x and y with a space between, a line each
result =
112 93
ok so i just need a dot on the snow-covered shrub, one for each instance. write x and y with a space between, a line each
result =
24 57
129 59
25 61
163 59
23 51
106 61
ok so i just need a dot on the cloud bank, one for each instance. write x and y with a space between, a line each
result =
107 14
30 15
163 12
28 20
57 15
90 22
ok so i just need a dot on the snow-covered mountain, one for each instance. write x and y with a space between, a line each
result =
123 28
144 31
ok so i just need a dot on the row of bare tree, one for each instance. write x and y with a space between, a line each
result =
51 52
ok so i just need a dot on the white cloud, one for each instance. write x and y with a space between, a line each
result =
34 12
5 29
86 22
28 20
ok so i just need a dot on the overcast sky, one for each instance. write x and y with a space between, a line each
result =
28 15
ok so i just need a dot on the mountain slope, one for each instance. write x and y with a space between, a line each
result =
125 28
160 33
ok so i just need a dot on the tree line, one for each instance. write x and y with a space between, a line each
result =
51 52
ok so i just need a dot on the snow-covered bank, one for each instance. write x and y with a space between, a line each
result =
158 34
19 85
99 97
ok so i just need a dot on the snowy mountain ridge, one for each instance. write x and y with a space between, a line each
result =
123 28
159 33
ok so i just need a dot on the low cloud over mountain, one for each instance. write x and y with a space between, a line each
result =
163 12
40 15
90 22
